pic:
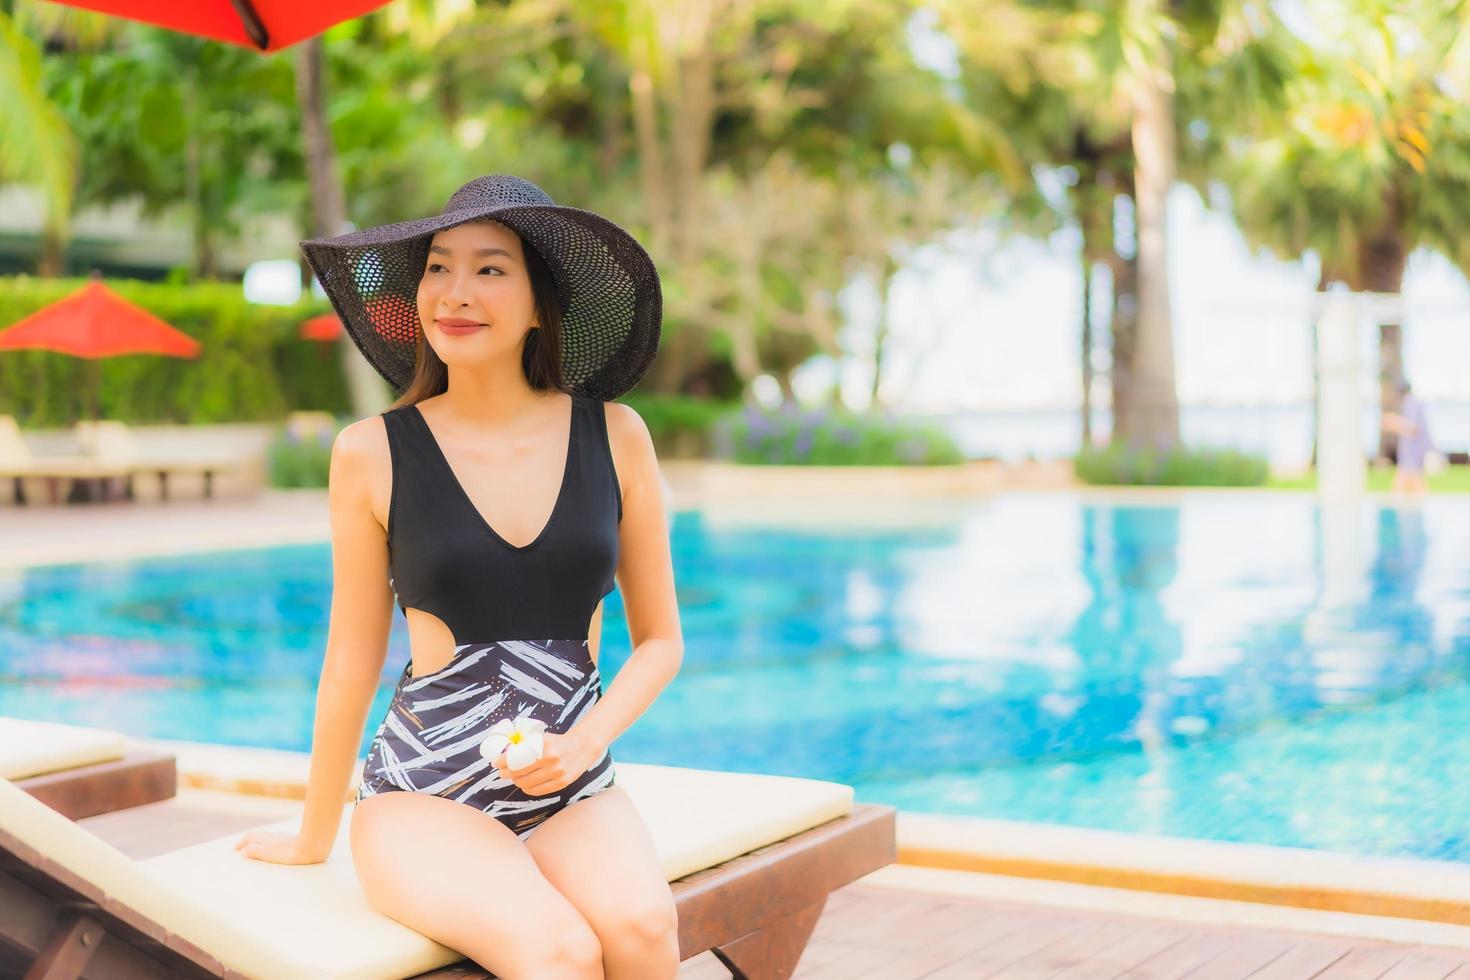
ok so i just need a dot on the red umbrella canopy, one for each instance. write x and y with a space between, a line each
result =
324 327
266 25
96 322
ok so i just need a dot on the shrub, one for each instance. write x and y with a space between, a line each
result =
830 437
679 424
301 460
253 365
1118 464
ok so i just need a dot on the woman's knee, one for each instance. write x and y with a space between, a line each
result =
643 925
573 946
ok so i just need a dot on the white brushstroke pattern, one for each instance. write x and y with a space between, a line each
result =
464 721
527 684
598 784
577 696
449 670
547 661
459 695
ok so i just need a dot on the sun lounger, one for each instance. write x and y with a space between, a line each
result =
81 772
112 442
17 463
751 860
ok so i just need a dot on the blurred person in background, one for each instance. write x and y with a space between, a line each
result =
1415 443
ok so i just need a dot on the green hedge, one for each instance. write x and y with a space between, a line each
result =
302 461
831 437
253 365
1118 464
681 426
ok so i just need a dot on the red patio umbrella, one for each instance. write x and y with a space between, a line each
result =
95 322
266 25
324 327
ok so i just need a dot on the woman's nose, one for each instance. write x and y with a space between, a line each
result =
456 290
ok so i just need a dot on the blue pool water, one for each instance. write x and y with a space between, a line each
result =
1222 668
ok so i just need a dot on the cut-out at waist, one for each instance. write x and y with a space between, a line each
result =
428 631
575 651
556 665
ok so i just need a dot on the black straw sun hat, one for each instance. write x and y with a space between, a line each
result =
611 301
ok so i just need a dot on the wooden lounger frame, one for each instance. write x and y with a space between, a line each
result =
141 776
755 911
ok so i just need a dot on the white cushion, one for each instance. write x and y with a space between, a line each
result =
31 748
292 921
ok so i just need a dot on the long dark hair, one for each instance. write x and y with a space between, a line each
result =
540 356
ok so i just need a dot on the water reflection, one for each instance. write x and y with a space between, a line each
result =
1239 666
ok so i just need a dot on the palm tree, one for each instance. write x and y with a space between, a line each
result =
37 147
1114 80
1370 157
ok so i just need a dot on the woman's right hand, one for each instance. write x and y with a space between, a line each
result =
278 848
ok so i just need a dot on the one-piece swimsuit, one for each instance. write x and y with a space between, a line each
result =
519 615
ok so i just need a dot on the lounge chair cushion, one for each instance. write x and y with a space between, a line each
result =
32 748
315 921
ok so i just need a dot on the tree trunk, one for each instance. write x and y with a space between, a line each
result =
651 169
329 210
51 259
1124 335
880 339
1382 258
191 174
692 104
614 123
1151 418
1087 224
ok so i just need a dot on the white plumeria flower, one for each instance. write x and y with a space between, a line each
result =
519 738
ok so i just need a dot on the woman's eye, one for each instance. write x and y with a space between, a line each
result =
488 268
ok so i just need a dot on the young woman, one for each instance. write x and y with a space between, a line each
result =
1415 442
493 503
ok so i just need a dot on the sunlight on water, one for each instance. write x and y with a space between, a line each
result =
1178 669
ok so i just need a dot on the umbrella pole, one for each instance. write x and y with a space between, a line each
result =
95 387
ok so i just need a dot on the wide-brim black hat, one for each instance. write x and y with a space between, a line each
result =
611 300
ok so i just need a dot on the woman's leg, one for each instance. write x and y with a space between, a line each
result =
599 854
460 877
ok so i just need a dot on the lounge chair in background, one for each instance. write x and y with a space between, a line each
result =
112 442
86 473
81 772
751 860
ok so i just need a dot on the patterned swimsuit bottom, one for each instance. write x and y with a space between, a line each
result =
429 741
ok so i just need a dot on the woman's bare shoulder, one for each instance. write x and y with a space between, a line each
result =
631 443
362 442
624 422
361 466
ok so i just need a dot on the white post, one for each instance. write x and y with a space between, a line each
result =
1342 470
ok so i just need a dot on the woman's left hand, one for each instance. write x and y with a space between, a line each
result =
563 759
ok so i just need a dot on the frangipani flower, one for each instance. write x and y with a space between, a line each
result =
518 738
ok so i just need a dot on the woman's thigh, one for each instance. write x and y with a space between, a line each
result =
460 877
599 854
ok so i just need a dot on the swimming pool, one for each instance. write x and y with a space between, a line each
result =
1215 667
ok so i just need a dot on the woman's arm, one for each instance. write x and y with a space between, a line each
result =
357 643
646 577
357 632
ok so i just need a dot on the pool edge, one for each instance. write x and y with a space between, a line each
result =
1330 881
1325 881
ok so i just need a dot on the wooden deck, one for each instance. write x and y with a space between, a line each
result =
874 933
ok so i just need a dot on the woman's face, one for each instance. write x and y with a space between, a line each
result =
477 273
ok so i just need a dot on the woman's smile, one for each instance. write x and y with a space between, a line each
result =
457 326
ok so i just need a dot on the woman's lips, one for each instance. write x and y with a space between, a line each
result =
457 328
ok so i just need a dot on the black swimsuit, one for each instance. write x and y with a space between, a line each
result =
519 616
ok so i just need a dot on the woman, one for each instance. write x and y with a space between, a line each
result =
1415 443
496 498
